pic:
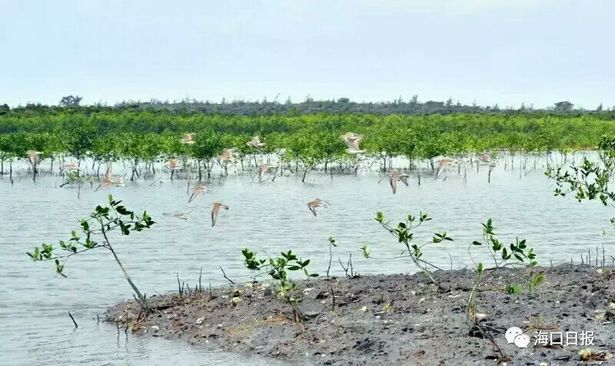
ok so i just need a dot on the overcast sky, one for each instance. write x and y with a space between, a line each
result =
488 51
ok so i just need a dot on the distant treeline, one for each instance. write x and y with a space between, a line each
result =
308 106
146 132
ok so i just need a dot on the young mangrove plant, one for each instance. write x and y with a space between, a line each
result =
404 231
517 254
94 234
278 268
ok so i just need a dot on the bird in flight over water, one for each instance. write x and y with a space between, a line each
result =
215 210
199 189
395 177
312 205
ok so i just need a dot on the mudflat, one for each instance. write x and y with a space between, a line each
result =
397 319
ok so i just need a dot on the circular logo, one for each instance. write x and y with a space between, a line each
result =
522 340
512 333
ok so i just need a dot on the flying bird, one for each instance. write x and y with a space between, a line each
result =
69 167
227 155
34 157
188 138
199 189
312 205
395 177
442 165
215 210
487 159
108 180
266 169
352 141
255 142
173 164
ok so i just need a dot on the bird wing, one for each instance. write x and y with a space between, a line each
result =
309 205
214 215
404 179
393 183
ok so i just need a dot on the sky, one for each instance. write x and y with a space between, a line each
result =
504 52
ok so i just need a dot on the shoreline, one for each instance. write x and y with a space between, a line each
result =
385 319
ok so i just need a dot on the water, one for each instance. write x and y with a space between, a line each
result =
268 217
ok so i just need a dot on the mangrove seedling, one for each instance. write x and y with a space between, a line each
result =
366 251
94 234
404 231
278 268
517 254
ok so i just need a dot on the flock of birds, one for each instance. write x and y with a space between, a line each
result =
350 139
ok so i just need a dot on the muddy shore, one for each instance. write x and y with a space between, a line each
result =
396 319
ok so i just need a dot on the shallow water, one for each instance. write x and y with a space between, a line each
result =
268 216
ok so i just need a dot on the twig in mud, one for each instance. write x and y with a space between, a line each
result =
332 298
200 283
344 268
350 265
211 296
180 288
502 357
73 319
97 319
331 245
224 274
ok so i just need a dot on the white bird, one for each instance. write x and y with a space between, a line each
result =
395 177
312 205
442 165
188 138
69 167
215 210
108 180
227 155
266 169
199 189
255 142
173 164
34 157
352 141
487 159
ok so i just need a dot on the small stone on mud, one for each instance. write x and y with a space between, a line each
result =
200 320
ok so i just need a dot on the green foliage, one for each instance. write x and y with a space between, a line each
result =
366 251
278 269
404 232
93 233
517 253
108 134
590 179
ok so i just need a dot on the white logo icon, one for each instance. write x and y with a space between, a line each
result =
515 335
